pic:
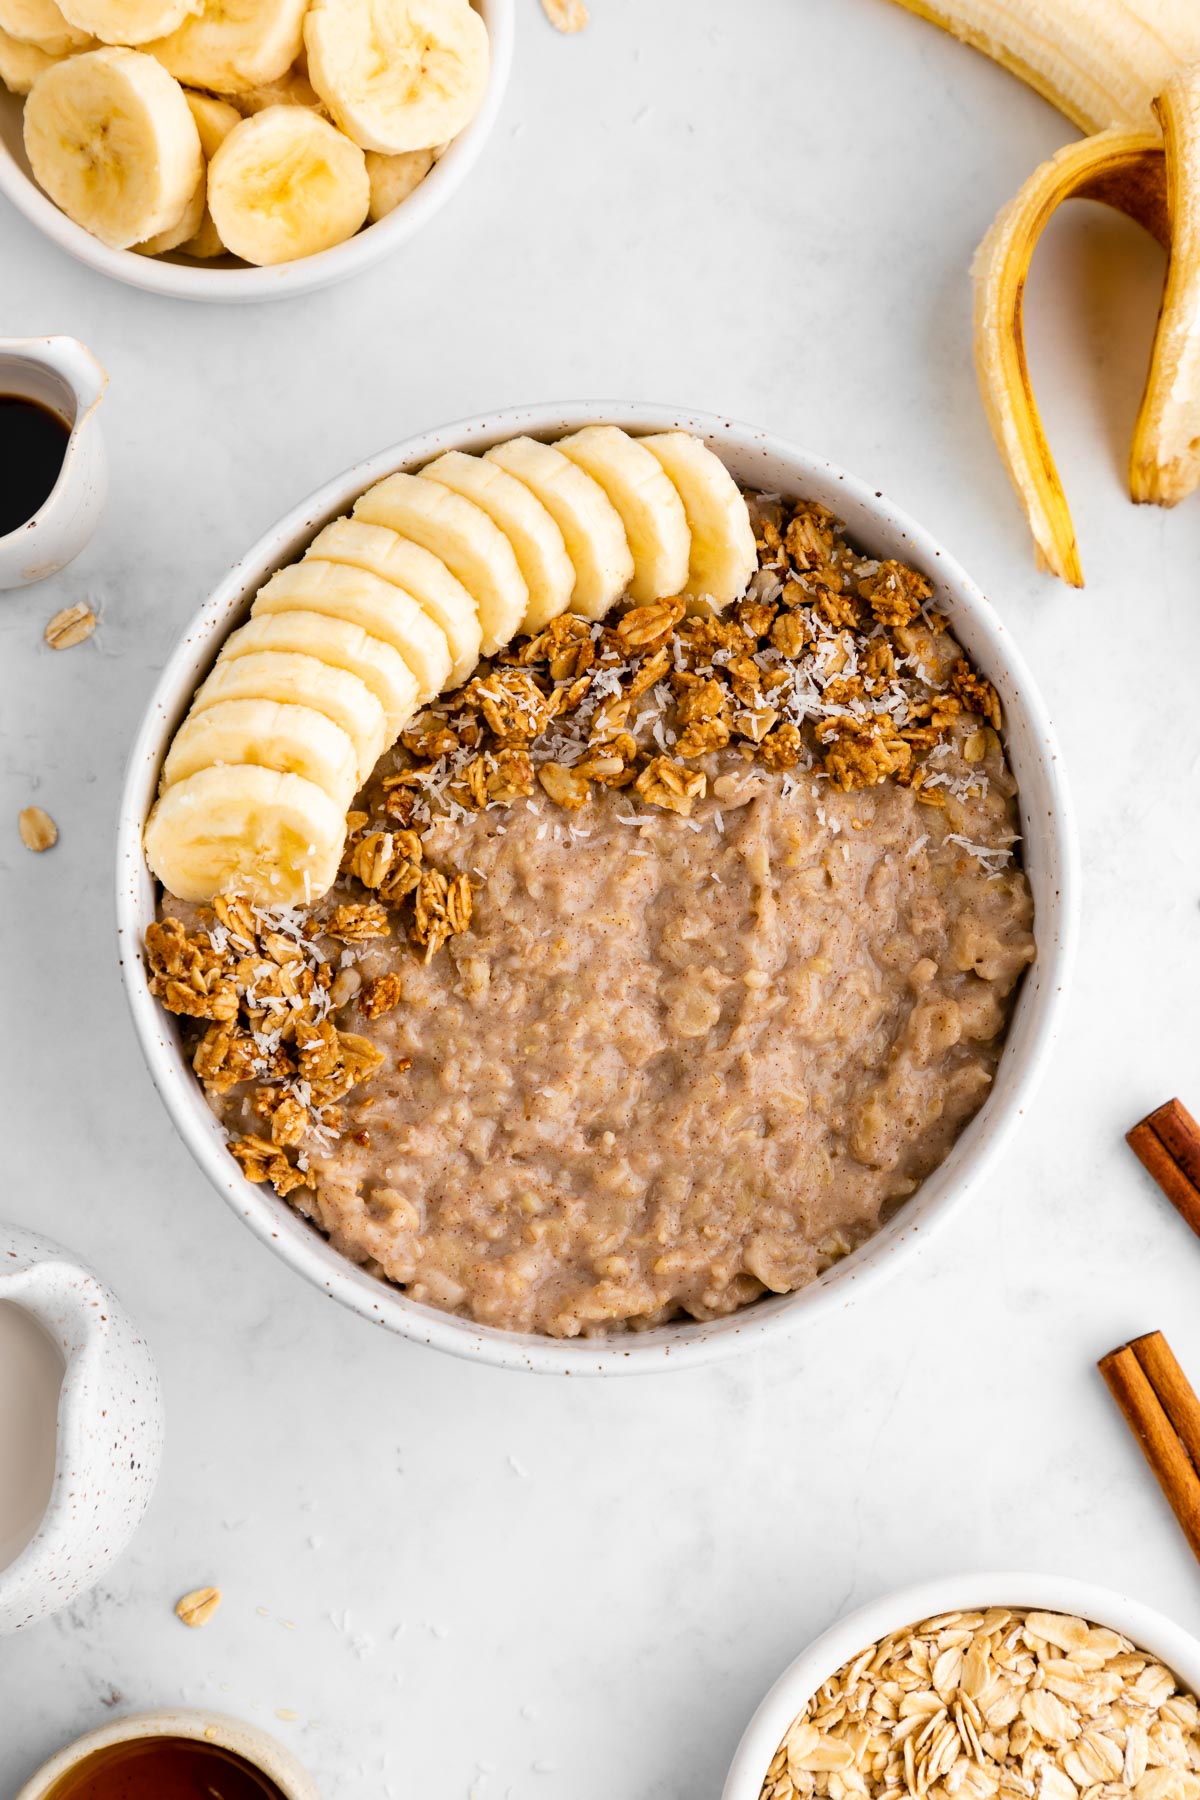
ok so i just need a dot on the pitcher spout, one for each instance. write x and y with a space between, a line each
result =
76 365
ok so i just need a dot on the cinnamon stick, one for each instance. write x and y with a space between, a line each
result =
1148 1414
1173 1389
1167 1143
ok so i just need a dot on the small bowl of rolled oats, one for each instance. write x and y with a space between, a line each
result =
667 972
1034 1687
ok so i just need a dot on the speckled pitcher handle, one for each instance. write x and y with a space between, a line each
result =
109 1439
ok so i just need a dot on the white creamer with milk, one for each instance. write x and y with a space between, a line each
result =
31 1375
80 1427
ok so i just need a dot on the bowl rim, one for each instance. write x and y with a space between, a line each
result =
256 1746
298 1243
197 281
968 1591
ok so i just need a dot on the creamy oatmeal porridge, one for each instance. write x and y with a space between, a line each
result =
668 957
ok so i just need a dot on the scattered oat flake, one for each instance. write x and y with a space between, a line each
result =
566 15
198 1607
70 626
37 828
286 1714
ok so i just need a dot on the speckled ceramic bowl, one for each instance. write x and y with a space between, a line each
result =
760 461
256 1747
1175 1648
225 278
109 1428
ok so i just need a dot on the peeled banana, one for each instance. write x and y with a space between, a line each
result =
1101 62
1164 463
1122 167
1119 69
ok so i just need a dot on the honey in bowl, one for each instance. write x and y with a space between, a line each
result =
164 1768
33 443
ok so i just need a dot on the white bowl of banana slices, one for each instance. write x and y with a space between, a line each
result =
243 150
231 773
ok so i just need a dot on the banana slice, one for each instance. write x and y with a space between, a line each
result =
590 524
243 829
304 681
378 606
1164 463
186 225
215 119
340 645
43 24
723 555
393 178
133 22
294 740
195 234
21 63
472 547
110 138
398 74
291 89
436 591
286 184
538 543
230 46
651 511
1099 61
1123 168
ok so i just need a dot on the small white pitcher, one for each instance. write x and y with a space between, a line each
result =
109 1439
63 375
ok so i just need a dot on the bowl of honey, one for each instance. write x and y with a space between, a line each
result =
172 1755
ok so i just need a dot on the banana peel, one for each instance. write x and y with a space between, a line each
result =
1125 170
1101 62
1127 71
1164 462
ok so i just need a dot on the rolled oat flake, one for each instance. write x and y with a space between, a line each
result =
37 828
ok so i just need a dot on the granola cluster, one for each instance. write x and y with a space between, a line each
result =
265 987
392 865
998 1703
831 661
263 990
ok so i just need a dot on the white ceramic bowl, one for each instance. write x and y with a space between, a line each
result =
1149 1630
256 1747
228 279
1050 856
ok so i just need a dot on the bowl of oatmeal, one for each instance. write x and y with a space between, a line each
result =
683 971
978 1684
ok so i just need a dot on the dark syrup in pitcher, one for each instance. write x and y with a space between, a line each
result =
165 1768
33 442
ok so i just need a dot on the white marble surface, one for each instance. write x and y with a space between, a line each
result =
460 1581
